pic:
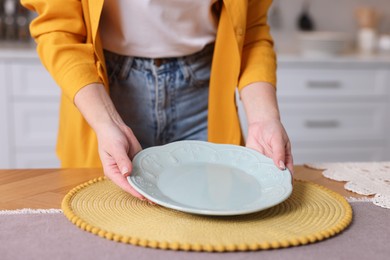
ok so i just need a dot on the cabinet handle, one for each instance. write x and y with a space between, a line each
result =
324 84
322 123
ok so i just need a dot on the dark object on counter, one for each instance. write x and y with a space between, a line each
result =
9 20
1 19
305 21
14 22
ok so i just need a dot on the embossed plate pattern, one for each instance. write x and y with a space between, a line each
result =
209 179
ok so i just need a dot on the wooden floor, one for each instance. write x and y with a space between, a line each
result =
45 188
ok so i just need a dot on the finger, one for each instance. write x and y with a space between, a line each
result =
124 184
112 171
134 149
122 160
135 146
278 154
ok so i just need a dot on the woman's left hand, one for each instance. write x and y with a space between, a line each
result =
270 139
266 133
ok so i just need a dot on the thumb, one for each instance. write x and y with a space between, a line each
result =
122 160
278 155
134 145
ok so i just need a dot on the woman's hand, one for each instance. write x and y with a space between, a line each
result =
266 133
117 143
270 139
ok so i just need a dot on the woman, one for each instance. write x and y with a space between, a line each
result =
81 42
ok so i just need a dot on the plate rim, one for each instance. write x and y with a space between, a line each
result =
193 210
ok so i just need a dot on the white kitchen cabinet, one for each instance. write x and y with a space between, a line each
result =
4 140
336 110
327 82
29 107
331 121
35 124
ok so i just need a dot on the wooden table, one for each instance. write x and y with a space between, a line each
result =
45 188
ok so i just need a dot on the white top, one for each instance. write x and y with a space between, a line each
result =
157 28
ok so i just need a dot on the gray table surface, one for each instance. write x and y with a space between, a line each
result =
52 236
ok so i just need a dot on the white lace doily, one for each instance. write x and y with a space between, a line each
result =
365 178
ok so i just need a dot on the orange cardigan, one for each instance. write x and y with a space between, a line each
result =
68 44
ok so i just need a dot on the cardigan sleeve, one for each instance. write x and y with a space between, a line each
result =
258 61
63 43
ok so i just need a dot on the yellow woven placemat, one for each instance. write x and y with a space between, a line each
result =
312 213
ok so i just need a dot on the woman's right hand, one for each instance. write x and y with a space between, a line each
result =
116 141
117 145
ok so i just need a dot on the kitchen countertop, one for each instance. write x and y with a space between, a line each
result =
18 50
27 50
347 58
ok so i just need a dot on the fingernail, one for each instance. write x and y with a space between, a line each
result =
124 170
282 166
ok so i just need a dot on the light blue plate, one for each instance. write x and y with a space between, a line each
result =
209 179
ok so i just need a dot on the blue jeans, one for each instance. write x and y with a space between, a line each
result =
162 100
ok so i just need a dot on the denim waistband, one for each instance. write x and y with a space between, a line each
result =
147 63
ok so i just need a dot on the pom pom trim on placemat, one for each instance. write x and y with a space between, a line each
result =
315 214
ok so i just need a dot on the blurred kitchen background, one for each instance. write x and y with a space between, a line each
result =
348 18
333 83
14 22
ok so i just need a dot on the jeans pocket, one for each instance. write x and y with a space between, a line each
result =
118 66
199 67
